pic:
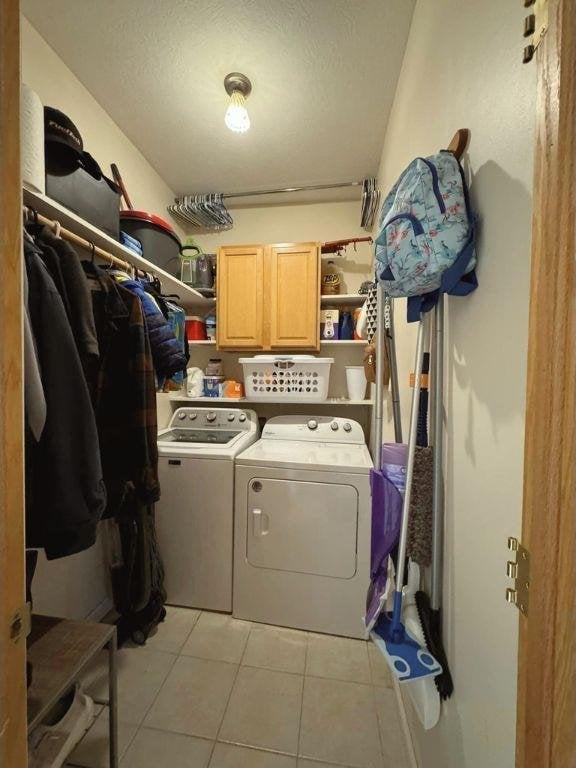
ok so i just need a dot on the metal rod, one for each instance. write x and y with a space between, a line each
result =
438 492
72 237
309 188
395 389
421 345
378 405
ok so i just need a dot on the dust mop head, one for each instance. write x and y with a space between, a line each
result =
420 521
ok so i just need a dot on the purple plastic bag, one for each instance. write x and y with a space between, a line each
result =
387 490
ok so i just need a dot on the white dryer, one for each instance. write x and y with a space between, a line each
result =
195 514
302 526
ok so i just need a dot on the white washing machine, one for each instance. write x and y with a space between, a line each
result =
195 514
302 526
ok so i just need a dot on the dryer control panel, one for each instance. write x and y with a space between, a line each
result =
320 429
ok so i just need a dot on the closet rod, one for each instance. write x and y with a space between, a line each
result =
72 237
310 188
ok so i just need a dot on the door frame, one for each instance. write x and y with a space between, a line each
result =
546 715
547 643
13 720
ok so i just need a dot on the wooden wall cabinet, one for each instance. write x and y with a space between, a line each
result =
269 297
240 287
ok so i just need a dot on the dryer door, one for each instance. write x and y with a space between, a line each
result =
303 527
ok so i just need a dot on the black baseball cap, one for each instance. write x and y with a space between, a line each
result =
62 142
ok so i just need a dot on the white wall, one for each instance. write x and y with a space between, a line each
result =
77 586
462 69
45 72
301 223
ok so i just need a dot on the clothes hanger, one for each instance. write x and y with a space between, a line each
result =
30 215
56 227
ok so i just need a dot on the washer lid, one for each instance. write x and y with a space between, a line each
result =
339 457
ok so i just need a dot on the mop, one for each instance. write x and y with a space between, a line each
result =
429 609
406 656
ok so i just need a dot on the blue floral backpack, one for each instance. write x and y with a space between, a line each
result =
425 244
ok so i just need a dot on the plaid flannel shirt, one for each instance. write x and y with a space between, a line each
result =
124 396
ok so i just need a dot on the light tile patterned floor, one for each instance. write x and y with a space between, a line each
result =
209 691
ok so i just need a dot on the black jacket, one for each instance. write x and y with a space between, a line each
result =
77 292
65 490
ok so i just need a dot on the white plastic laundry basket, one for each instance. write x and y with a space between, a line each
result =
294 378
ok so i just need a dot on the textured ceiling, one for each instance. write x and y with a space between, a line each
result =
323 75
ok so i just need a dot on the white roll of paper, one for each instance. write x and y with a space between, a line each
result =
32 140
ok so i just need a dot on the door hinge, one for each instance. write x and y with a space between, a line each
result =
519 571
21 623
535 26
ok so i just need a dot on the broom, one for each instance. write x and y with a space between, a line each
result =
429 610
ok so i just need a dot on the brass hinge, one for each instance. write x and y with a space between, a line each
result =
519 571
535 26
20 623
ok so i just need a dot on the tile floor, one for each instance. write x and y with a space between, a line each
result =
209 691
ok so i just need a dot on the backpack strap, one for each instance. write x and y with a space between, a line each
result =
416 306
455 281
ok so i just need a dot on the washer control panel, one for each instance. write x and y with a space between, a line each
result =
215 418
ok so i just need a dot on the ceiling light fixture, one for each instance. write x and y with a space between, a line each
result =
238 87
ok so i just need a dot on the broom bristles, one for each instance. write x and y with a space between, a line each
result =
432 629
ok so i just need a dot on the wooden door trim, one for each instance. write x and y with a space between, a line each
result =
13 723
547 644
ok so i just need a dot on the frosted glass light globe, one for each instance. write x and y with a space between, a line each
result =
237 118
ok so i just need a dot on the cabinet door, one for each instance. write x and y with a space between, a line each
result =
240 296
294 296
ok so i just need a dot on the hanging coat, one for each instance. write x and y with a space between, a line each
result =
167 351
123 394
65 489
77 291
